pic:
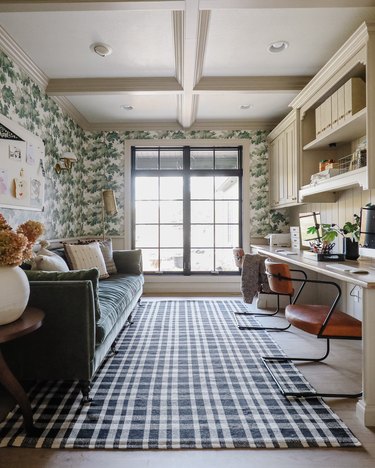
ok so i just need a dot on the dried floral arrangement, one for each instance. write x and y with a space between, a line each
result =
17 246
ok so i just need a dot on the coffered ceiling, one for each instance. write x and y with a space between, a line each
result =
178 63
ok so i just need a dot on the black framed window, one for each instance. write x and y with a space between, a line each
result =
187 208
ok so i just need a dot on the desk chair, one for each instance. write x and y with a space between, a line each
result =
320 320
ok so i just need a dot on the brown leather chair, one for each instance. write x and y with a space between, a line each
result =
323 321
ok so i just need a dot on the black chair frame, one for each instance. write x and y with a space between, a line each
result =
269 359
272 314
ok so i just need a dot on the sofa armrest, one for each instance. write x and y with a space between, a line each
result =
63 348
128 261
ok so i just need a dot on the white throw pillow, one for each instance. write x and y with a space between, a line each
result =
49 262
84 257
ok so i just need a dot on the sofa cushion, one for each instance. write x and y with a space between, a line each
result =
79 275
128 261
115 294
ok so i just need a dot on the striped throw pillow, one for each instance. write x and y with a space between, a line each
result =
84 257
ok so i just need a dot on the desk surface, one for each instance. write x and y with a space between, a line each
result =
363 280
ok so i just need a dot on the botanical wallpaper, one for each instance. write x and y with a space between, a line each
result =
24 102
73 200
104 167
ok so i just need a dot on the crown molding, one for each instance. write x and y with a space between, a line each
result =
249 4
284 124
14 51
89 5
72 111
249 84
352 46
85 86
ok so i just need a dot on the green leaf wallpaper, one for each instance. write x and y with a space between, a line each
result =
73 201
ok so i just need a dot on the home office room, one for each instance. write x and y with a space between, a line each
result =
187 233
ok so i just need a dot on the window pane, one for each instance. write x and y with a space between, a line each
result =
201 188
171 188
146 212
171 260
202 235
150 260
171 159
226 236
226 212
224 260
146 159
146 236
202 159
202 260
202 211
146 188
226 159
171 212
226 187
171 236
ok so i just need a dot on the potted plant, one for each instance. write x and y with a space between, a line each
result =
350 232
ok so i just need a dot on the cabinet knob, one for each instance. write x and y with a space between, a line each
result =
294 198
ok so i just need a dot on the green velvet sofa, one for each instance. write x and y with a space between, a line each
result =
83 317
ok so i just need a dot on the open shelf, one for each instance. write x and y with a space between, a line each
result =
349 130
325 191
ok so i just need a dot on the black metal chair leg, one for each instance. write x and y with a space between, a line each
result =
267 360
260 327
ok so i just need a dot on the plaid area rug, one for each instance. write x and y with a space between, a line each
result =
184 377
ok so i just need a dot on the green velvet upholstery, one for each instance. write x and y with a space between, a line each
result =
74 340
115 295
128 261
75 275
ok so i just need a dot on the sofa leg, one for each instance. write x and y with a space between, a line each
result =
85 389
129 320
114 349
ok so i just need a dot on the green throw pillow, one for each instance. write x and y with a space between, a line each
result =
77 275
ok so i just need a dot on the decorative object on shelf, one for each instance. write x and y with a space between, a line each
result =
109 206
67 160
350 232
15 248
238 254
367 229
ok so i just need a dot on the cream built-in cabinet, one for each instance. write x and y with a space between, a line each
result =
337 116
283 162
332 117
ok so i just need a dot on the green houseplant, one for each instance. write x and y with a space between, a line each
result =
350 232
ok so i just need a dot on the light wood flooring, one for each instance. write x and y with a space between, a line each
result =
342 370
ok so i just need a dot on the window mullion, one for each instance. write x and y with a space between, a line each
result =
186 211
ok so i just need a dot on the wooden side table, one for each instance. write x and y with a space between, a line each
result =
30 321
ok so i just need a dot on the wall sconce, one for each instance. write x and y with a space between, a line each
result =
66 162
109 206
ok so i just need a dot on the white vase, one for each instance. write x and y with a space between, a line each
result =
14 293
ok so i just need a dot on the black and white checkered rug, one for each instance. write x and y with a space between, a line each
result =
184 377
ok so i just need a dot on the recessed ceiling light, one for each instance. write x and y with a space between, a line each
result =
128 108
278 46
101 49
246 106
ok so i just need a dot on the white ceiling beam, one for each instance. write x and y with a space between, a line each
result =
248 4
92 86
154 125
250 84
89 5
193 29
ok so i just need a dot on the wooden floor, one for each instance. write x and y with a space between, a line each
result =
342 371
